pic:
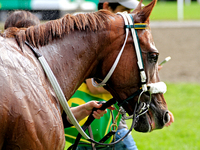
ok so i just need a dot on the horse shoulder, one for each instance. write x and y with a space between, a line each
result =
30 116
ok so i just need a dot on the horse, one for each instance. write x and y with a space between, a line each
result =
76 47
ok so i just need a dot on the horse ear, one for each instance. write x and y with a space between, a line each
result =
138 8
144 14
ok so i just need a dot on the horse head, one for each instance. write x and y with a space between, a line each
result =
126 80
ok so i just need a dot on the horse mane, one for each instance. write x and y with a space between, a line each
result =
42 34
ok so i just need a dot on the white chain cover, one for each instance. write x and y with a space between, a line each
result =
159 87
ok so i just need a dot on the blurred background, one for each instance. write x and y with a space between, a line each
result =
47 9
175 26
53 9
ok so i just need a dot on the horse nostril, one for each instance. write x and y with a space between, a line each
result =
166 117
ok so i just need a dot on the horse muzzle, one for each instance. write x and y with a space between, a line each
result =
151 114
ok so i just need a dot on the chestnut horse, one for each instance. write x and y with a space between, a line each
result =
75 47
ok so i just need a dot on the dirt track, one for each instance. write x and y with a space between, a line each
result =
181 41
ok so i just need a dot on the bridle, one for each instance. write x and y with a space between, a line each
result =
154 88
129 24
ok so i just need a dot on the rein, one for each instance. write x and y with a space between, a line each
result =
57 90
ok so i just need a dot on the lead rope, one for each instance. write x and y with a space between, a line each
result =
91 135
57 90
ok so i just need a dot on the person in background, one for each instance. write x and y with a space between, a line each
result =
24 19
21 19
118 5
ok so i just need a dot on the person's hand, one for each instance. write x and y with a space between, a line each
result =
82 111
171 119
96 114
159 67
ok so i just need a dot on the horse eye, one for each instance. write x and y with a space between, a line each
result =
153 57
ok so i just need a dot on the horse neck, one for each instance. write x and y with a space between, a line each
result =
74 58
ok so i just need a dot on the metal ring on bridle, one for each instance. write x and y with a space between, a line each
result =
113 127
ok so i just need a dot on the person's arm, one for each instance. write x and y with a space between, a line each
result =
95 90
82 111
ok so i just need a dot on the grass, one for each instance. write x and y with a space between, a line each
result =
168 11
183 101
